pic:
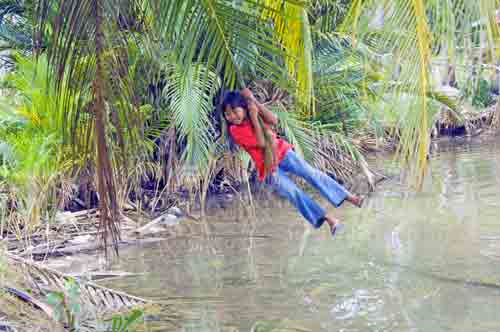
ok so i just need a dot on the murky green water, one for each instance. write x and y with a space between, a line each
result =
427 261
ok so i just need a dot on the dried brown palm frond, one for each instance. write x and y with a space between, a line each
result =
447 120
170 157
106 178
269 93
343 157
16 304
27 288
495 121
368 142
481 119
464 120
332 157
46 279
197 183
14 312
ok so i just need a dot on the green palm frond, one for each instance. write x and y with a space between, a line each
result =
344 82
35 162
297 132
6 153
440 97
409 35
15 25
219 33
293 31
326 15
189 92
232 36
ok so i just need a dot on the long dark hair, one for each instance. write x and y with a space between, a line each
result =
234 99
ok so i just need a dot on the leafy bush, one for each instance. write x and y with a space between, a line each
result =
482 96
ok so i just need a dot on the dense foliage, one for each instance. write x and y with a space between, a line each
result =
115 101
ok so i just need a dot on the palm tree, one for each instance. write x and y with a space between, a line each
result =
31 131
411 36
15 29
192 42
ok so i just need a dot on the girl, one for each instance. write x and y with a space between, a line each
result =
242 111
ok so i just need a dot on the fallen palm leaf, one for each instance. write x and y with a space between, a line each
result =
101 297
30 299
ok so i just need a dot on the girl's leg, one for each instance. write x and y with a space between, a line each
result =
309 208
328 187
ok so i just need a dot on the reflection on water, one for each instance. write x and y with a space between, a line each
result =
408 261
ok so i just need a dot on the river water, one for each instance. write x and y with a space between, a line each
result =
408 261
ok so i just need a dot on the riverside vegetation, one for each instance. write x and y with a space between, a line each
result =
110 116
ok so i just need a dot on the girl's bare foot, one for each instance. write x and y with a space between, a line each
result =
356 200
334 224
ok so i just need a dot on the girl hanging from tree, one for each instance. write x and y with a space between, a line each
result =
249 124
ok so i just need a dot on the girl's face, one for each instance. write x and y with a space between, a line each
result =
236 115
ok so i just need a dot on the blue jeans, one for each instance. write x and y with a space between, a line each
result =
308 207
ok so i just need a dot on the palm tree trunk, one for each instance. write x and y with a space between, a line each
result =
447 117
108 225
478 60
449 76
469 61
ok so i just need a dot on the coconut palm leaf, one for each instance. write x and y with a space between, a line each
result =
327 15
15 25
421 26
294 31
31 126
204 31
344 82
225 34
99 297
297 131
189 93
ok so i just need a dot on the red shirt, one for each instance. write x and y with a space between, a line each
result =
244 136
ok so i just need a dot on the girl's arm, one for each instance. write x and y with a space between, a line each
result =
253 113
268 116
